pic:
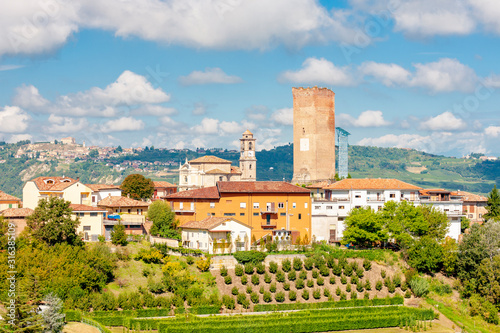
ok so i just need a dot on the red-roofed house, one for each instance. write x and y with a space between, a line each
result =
278 209
216 235
162 189
474 206
132 214
8 201
91 221
17 216
102 191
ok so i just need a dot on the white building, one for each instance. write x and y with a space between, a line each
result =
102 191
216 235
341 197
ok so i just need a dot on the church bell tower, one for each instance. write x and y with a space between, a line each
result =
248 162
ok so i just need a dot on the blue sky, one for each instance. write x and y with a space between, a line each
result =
197 73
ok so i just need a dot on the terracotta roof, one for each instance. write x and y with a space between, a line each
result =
247 132
235 169
163 184
17 212
85 208
99 187
216 171
321 184
209 223
260 187
467 196
121 202
59 183
7 197
371 184
434 191
201 193
209 159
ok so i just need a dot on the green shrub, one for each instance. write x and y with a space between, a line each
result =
359 272
244 280
348 270
242 299
419 286
396 279
332 279
315 273
223 271
273 267
254 297
319 260
343 296
337 270
368 285
280 276
330 261
267 278
326 292
297 264
147 271
354 279
234 291
238 270
387 281
360 287
366 295
286 265
348 288
305 294
324 270
249 268
261 290
317 293
303 274
391 288
299 284
292 295
338 291
292 275
267 297
404 286
255 280
367 264
203 265
378 285
228 302
286 286
342 262
249 289
309 263
383 273
190 260
354 294
343 279
272 287
228 280
260 268
440 288
280 297
407 294
250 256
320 281
310 283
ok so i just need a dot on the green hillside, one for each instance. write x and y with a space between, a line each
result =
416 167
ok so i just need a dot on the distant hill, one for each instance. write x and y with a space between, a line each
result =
416 167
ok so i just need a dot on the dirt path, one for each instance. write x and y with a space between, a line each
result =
79 328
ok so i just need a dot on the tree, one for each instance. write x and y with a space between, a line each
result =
493 206
137 186
450 256
164 221
363 227
52 316
426 255
94 153
118 235
52 223
119 149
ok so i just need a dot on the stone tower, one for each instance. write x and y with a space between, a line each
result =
313 134
248 162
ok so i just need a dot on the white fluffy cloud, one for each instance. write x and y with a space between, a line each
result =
123 124
492 131
211 126
388 74
446 121
319 71
283 116
210 75
367 118
154 110
129 89
19 137
60 124
13 120
32 26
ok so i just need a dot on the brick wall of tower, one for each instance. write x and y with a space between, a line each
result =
313 134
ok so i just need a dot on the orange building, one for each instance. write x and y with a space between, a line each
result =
279 209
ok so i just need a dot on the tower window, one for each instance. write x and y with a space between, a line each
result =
249 145
250 167
303 130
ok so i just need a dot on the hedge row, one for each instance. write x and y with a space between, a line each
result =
304 321
73 315
209 309
396 300
154 312
96 324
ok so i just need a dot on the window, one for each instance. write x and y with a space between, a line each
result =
281 205
10 205
480 215
93 214
93 198
204 232
220 178
329 207
250 166
243 205
392 195
300 216
282 214
213 214
255 205
181 205
212 205
242 214
229 214
86 228
317 207
192 205
294 205
305 204
357 196
357 207
255 214
129 210
470 216
341 219
208 214
341 207
229 201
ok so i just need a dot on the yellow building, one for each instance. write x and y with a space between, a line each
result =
91 221
8 201
279 209
62 187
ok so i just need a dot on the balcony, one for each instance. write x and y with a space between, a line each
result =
375 199
268 224
270 209
185 211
